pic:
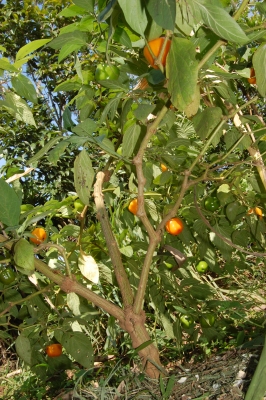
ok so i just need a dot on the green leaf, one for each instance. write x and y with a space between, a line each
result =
24 88
6 66
206 121
88 5
23 349
182 73
70 38
68 85
30 47
135 15
10 205
44 150
234 211
71 11
110 108
221 23
55 154
18 108
67 49
259 63
83 176
130 139
122 37
163 12
78 345
24 257
85 128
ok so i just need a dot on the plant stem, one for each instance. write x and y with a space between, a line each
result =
241 9
115 255
210 53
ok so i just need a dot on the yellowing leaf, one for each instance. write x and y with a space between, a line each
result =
88 267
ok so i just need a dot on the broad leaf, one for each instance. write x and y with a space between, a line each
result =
259 63
83 176
206 121
24 88
88 5
24 257
88 267
78 345
163 12
130 139
135 15
221 23
182 72
71 38
18 108
10 205
30 47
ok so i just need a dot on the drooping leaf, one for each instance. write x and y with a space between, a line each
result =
83 176
259 63
221 23
88 267
24 257
163 12
135 15
182 72
10 205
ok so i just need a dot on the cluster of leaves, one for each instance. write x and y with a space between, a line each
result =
213 132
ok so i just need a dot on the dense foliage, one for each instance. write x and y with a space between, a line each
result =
93 121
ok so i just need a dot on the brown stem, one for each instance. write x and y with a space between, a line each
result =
115 255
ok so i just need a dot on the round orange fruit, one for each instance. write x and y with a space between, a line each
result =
133 206
39 235
156 46
174 226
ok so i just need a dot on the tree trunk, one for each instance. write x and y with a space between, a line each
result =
135 326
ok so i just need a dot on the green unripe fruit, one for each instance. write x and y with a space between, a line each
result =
202 267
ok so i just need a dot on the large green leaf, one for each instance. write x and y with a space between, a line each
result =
24 87
163 12
10 205
18 108
24 257
83 176
30 47
78 345
259 63
88 5
182 72
135 15
221 23
206 121
70 38
130 139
